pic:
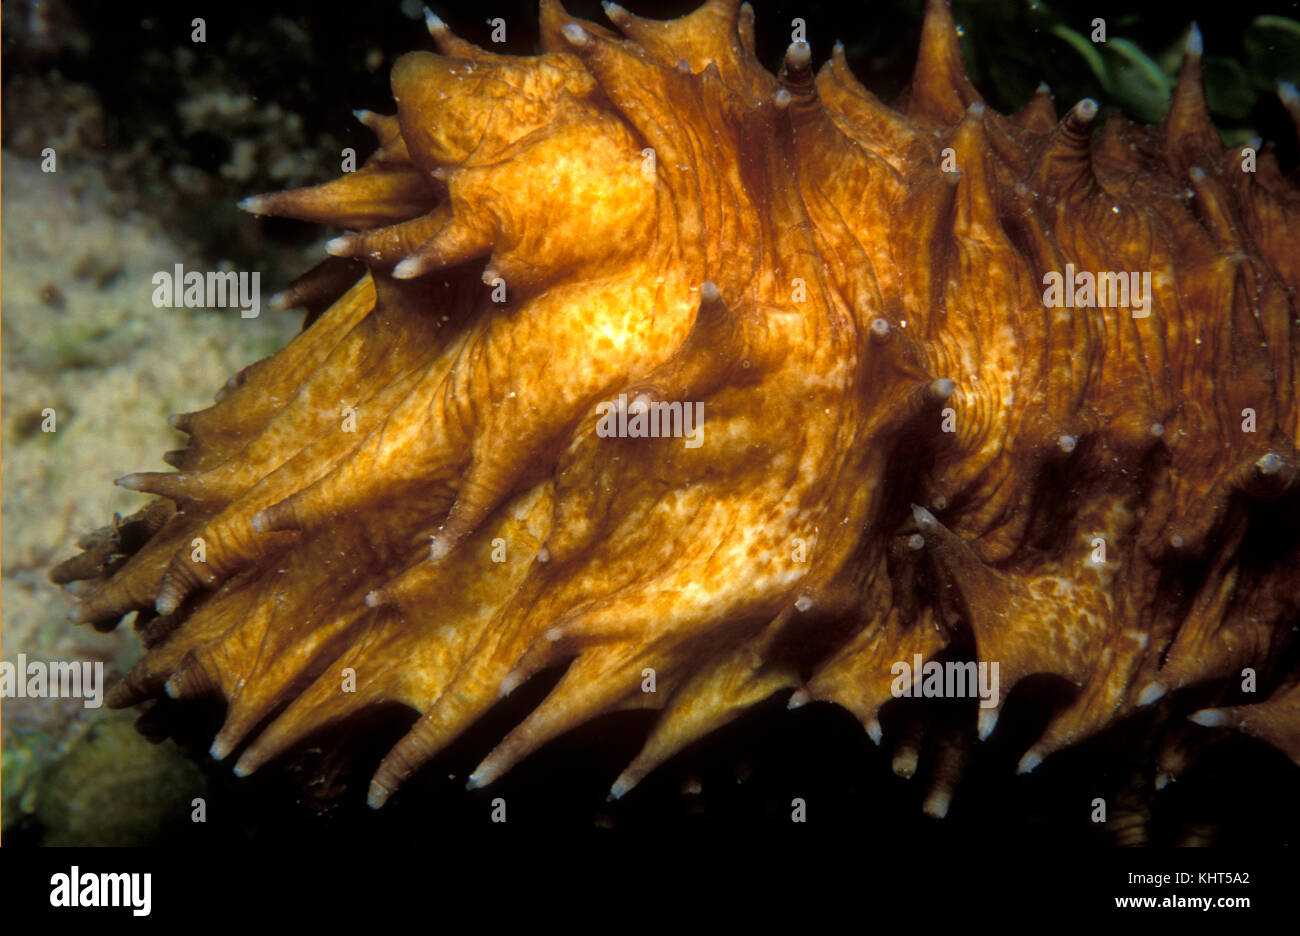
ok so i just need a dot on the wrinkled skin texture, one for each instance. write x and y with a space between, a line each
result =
904 451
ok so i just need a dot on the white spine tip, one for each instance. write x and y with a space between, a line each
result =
943 388
377 795
798 700
1162 780
1195 42
543 555
340 246
439 549
838 48
261 523
407 269
1289 93
937 803
1044 88
1209 718
874 732
253 204
1030 761
624 783
916 542
374 599
614 13
802 603
220 749
1196 173
131 482
172 688
924 519
781 99
798 55
1066 443
576 35
1152 693
880 328
1086 109
709 292
165 605
278 302
988 720
976 109
1157 429
1270 464
510 684
1177 541
433 22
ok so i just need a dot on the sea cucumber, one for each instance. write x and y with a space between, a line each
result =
905 452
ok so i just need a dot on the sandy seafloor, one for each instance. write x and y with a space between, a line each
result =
112 367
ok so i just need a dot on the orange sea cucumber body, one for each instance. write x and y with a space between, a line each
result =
904 450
